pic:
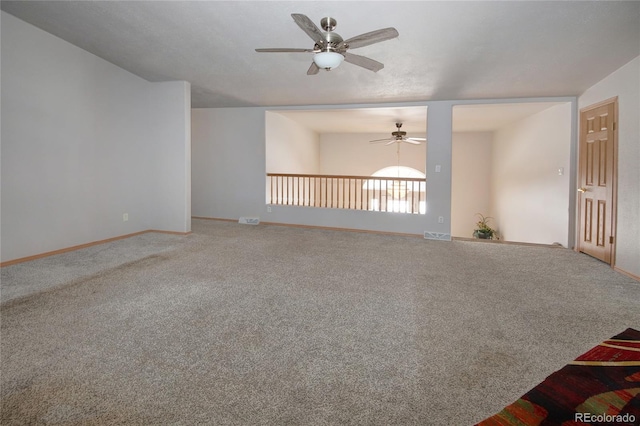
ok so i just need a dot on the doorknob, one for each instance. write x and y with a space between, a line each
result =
582 189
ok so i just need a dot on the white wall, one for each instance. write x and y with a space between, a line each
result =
80 141
470 181
169 151
530 201
290 147
352 154
228 162
625 84
439 163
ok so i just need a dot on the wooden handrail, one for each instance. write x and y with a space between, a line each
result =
408 179
373 193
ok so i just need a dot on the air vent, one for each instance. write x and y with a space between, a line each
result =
437 236
249 220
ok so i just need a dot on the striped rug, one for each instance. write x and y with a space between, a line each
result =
601 387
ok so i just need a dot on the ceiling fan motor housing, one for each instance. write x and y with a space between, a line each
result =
333 40
398 134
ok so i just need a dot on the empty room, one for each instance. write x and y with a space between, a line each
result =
274 212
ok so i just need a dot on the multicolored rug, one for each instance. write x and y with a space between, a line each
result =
601 387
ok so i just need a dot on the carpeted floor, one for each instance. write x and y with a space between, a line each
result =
239 324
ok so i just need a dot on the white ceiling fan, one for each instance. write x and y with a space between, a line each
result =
330 49
399 136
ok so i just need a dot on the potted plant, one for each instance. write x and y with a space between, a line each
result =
483 230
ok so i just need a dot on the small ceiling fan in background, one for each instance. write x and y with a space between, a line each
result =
330 49
399 136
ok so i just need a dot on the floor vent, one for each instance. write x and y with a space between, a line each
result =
437 236
249 220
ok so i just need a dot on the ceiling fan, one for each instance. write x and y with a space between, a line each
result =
399 136
330 49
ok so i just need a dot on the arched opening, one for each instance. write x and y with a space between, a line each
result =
397 189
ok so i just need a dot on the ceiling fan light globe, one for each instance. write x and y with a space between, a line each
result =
328 60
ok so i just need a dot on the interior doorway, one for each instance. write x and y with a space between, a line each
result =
597 176
512 162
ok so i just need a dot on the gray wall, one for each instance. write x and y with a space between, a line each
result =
83 142
169 155
228 162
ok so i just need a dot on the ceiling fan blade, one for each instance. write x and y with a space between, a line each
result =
411 141
363 62
284 49
416 139
371 37
390 142
313 69
309 27
382 140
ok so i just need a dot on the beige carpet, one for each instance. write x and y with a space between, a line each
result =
239 324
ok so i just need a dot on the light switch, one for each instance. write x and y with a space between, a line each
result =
437 168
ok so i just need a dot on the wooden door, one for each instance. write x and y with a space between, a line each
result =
597 180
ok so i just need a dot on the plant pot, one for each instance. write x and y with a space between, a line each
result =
482 235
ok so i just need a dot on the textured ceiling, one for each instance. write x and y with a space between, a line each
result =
491 117
466 118
361 120
446 50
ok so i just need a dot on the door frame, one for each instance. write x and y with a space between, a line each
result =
614 184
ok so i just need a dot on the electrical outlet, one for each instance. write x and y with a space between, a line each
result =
125 217
440 219
268 209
